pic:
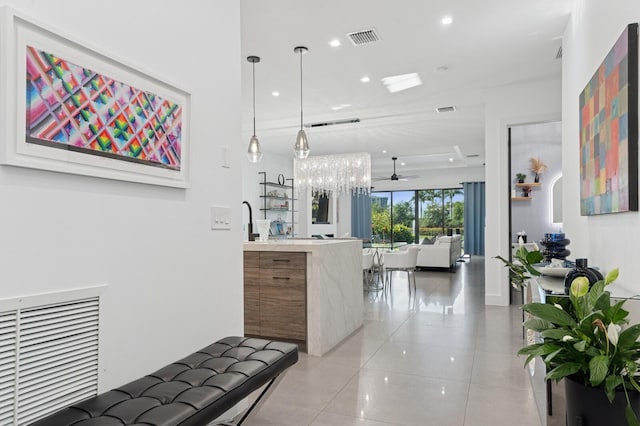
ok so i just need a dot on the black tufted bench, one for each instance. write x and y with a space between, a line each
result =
193 391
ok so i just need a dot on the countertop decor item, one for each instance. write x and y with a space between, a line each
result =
587 340
581 270
555 246
520 177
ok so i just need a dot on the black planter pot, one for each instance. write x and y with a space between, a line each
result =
587 406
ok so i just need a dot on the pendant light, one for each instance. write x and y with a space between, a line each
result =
254 153
301 148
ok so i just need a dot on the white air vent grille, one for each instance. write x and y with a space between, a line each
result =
359 38
333 123
8 332
48 359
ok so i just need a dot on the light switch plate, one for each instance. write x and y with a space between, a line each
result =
220 217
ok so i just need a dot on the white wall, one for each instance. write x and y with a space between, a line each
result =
608 241
507 106
174 285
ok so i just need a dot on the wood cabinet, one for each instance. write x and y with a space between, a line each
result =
275 295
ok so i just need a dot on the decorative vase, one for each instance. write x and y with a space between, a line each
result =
536 179
582 270
589 406
555 246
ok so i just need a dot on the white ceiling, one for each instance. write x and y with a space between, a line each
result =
490 43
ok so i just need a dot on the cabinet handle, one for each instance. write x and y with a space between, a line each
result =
281 260
281 278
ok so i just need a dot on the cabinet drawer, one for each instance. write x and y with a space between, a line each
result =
251 259
283 260
283 278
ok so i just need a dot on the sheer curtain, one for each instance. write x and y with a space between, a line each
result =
474 211
361 216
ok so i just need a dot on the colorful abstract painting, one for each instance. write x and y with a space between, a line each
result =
73 108
609 131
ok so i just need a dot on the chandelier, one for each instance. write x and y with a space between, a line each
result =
338 174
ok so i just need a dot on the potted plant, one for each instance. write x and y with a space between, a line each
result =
520 177
586 340
537 167
525 191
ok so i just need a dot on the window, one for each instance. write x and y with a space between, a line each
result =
411 216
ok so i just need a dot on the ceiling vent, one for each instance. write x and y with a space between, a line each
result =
359 38
446 109
332 123
559 53
473 155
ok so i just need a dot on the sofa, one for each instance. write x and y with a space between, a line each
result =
443 253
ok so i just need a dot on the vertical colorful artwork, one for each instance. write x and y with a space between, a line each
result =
73 108
609 131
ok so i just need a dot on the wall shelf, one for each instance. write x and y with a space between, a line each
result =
521 198
278 202
530 184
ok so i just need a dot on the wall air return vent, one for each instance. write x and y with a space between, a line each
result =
361 37
446 109
332 123
48 353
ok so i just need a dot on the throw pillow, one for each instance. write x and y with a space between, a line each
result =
427 241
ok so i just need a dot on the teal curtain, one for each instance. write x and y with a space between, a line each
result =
361 216
474 211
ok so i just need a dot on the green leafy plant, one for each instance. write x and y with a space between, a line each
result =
520 177
587 338
521 268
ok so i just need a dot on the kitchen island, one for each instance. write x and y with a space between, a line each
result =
305 291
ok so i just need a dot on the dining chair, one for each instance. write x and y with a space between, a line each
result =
403 260
367 268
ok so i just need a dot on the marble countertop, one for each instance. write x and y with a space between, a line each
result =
294 245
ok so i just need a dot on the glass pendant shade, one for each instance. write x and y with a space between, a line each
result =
254 153
301 148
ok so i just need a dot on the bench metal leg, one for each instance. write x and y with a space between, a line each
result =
255 407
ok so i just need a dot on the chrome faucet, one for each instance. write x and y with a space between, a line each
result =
250 234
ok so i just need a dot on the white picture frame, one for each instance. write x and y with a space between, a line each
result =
17 32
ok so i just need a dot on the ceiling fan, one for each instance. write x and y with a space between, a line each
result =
395 176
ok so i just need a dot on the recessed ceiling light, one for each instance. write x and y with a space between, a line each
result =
397 83
335 43
275 93
384 151
365 79
403 164
451 159
447 20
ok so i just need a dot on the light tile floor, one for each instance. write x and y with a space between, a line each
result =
440 357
